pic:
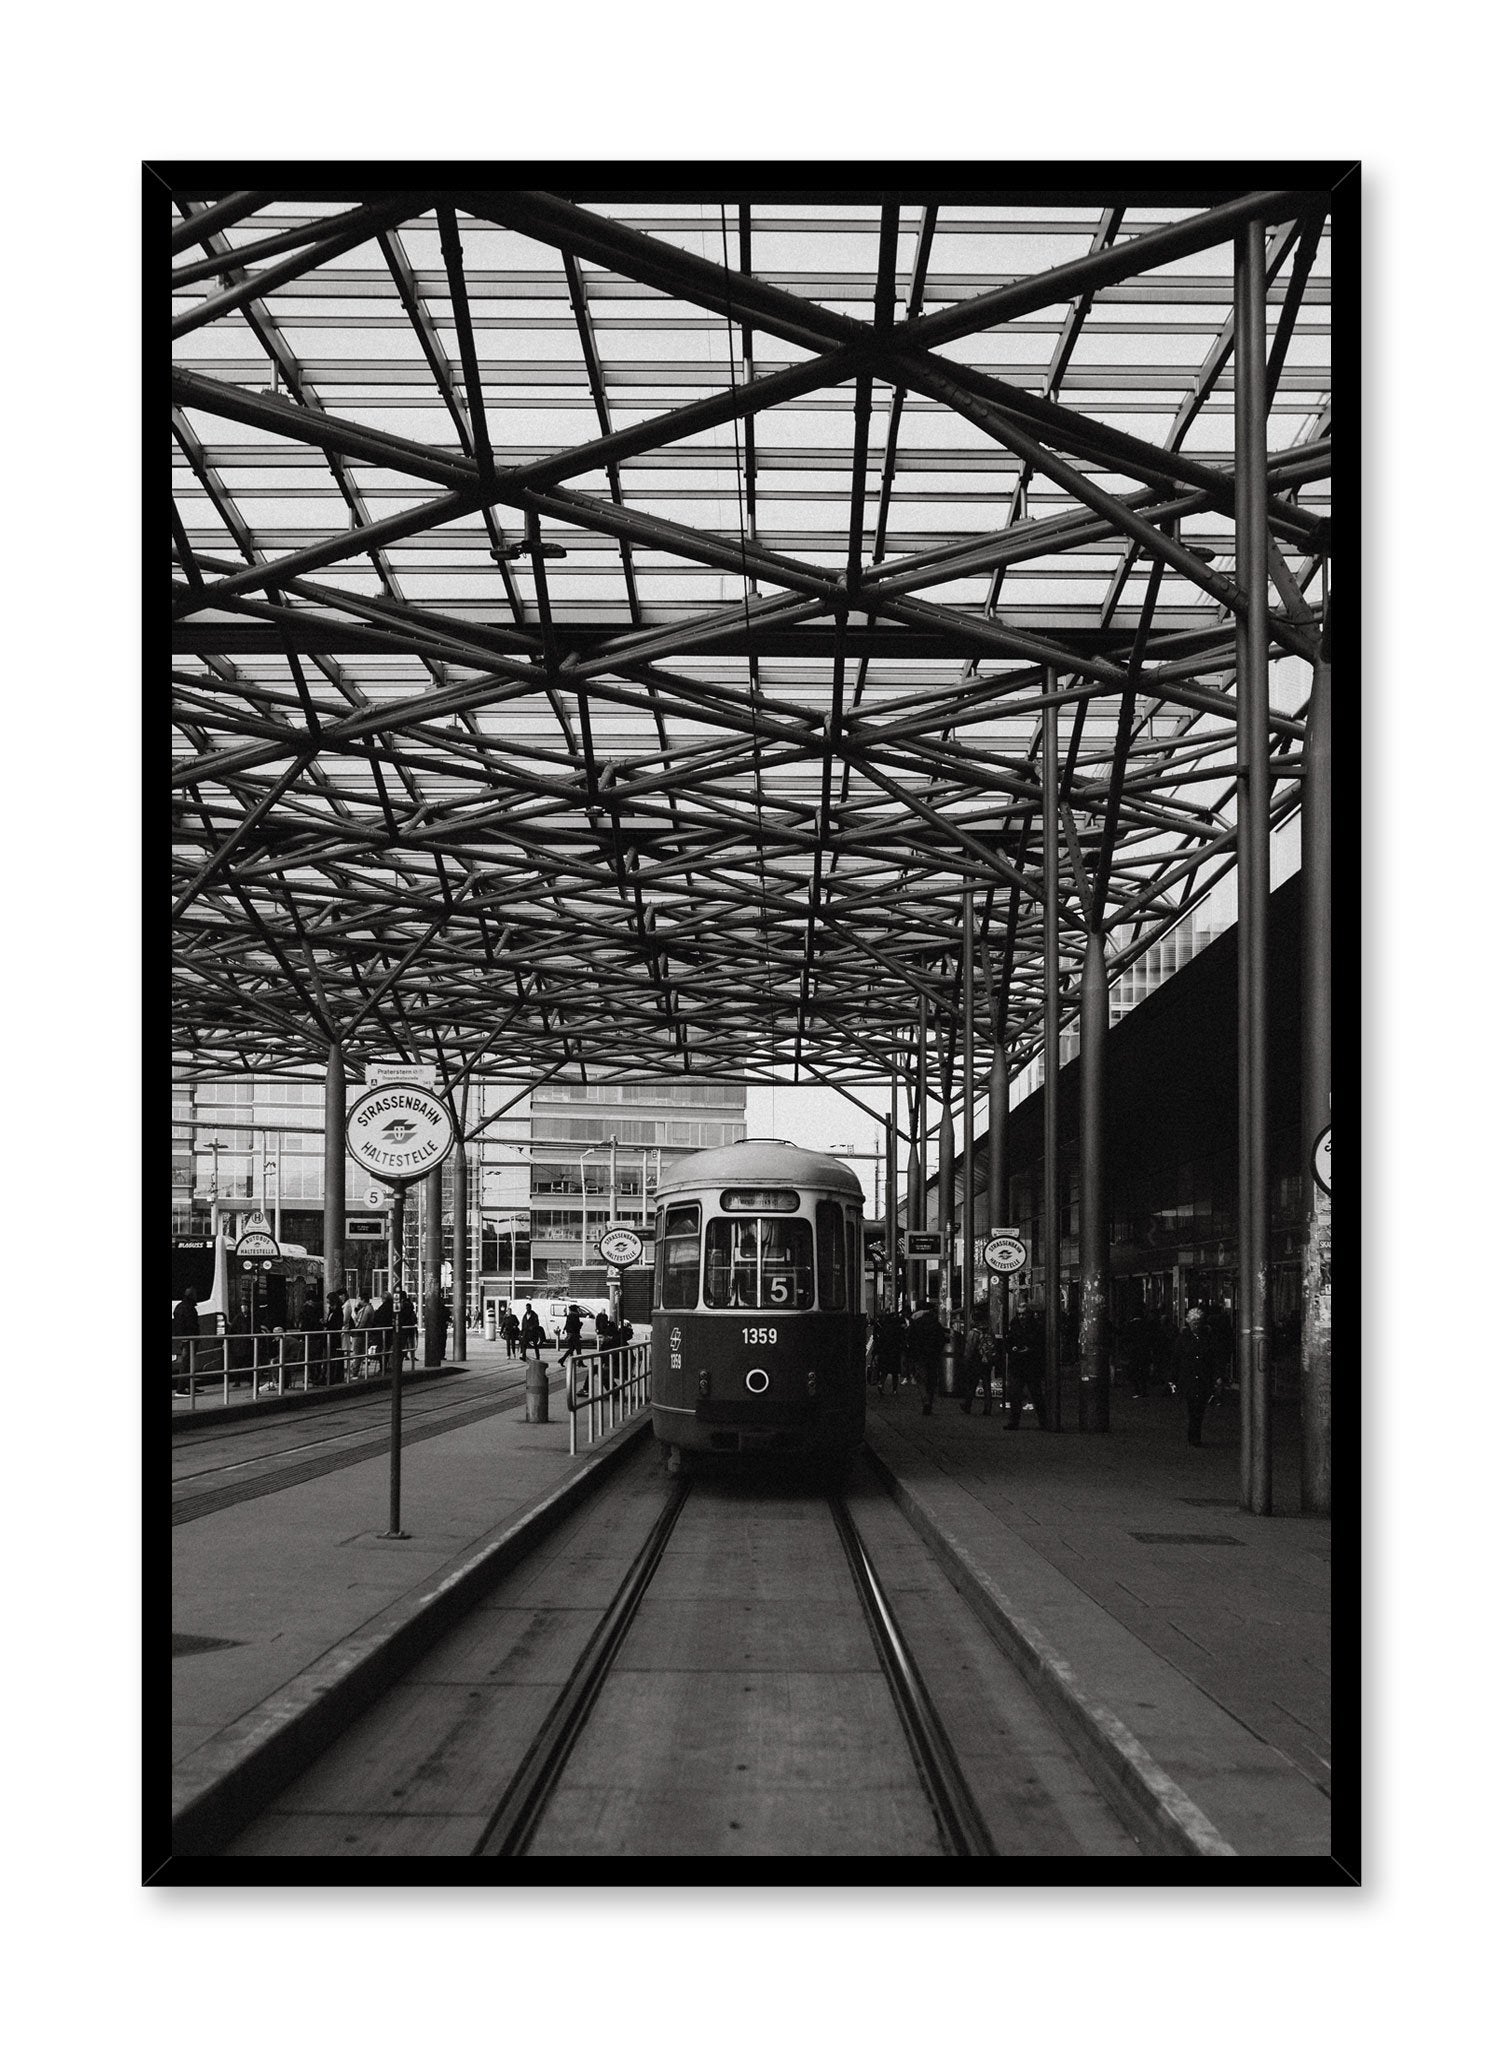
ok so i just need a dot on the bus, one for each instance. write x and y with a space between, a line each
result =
271 1292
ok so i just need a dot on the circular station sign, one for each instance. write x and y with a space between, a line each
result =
255 1244
398 1132
1006 1254
1320 1161
620 1246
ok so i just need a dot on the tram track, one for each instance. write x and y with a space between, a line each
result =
957 1817
746 1686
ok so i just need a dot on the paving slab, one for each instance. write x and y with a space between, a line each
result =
1213 1656
280 1579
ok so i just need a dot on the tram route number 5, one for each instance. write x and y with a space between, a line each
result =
759 1333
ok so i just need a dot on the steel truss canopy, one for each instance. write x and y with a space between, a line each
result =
615 634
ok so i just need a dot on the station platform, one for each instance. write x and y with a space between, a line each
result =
1188 1633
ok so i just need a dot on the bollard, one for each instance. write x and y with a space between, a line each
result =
537 1390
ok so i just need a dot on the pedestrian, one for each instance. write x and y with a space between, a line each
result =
1192 1370
1025 1368
511 1330
407 1325
979 1361
184 1327
354 1346
445 1317
573 1329
532 1333
887 1350
363 1347
605 1337
334 1337
383 1325
310 1343
1220 1345
926 1346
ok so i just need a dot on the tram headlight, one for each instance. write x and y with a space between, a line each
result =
813 1385
704 1386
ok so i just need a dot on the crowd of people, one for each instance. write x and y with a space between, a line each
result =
349 1337
1192 1360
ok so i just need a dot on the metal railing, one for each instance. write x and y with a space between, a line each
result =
266 1363
605 1387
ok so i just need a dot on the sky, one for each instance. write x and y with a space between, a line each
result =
824 1121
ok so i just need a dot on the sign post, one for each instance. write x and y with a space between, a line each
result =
1004 1252
399 1131
620 1246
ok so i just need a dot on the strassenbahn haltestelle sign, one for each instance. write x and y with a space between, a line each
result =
398 1132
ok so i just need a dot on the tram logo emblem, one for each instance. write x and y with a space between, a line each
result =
398 1131
675 1348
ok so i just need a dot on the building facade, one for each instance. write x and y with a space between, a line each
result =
546 1174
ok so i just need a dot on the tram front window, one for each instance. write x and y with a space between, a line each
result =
766 1263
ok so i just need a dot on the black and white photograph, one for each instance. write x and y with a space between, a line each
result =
753 1015
723 732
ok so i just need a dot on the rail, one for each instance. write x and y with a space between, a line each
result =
515 1820
605 1387
960 1821
274 1362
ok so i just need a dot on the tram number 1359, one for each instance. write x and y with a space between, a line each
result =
759 1333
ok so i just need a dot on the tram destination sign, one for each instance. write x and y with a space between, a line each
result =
620 1246
1005 1252
399 1132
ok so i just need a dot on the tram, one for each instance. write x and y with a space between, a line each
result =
758 1341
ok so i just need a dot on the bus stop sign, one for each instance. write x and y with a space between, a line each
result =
620 1246
1004 1253
1320 1161
399 1132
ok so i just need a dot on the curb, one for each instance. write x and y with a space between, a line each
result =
1159 1813
316 1397
225 1783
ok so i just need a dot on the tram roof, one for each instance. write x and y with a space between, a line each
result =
759 1162
611 629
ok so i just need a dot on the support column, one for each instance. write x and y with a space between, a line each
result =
334 1172
892 1185
997 1162
918 1161
1051 1058
1095 1258
461 1247
968 1138
1251 500
946 1197
433 1268
1315 866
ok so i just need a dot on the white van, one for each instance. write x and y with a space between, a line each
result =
553 1308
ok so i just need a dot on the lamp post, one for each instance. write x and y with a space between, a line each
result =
215 1147
584 1201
